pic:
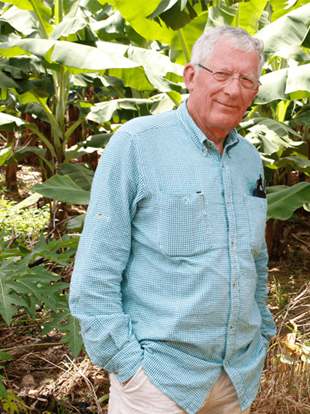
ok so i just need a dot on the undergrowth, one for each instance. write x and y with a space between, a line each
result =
26 221
285 384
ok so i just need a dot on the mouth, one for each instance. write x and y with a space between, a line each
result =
227 105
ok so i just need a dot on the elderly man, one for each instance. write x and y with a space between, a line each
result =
170 280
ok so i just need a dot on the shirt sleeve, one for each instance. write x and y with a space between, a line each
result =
104 249
268 327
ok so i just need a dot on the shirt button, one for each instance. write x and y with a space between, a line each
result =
115 371
232 325
235 285
204 151
232 243
223 165
227 203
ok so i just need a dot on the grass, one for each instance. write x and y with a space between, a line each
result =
285 384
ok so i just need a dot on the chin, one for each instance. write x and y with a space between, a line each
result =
227 124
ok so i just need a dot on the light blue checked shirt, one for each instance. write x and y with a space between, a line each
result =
171 270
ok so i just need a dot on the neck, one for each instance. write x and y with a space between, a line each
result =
216 135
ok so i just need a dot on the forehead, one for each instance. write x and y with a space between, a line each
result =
226 55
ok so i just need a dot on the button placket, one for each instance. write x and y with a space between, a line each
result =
234 274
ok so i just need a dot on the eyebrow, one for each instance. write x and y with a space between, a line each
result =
226 69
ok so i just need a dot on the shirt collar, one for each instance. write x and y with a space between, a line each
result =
197 135
231 139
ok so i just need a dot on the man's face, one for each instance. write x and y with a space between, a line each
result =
218 108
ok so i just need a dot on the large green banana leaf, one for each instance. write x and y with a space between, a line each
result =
32 11
181 40
298 163
248 15
31 5
10 122
282 7
71 55
68 26
21 20
268 141
137 17
283 201
81 175
104 111
289 30
126 109
78 58
63 188
113 25
287 84
303 118
7 82
168 15
274 141
177 14
220 14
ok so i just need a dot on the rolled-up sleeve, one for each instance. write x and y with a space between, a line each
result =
268 328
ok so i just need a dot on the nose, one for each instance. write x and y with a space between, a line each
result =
233 88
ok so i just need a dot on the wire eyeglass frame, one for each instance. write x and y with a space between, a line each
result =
245 81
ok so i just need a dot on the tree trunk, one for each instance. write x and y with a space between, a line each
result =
78 136
31 140
11 170
45 129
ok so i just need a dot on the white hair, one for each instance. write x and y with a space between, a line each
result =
203 47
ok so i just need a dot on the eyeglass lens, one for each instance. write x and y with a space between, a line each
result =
246 81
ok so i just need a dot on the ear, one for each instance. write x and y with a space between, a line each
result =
255 93
189 75
256 90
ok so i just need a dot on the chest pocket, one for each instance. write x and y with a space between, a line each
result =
257 210
183 224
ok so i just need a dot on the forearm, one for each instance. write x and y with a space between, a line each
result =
268 328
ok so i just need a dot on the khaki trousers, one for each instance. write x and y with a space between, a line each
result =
140 396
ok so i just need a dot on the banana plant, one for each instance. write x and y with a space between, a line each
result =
69 48
266 124
278 123
50 50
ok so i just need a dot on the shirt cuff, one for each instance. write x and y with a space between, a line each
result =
126 362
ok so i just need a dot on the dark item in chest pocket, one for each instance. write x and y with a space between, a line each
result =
260 190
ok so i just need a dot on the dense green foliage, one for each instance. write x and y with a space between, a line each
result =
27 282
29 222
113 62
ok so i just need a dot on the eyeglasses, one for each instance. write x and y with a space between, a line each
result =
247 81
